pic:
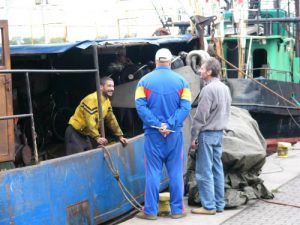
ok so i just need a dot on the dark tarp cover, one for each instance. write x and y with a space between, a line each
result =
63 47
244 154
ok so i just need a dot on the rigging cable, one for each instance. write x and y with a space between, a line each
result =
266 87
261 84
288 108
164 23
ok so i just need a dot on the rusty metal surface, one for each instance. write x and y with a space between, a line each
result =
79 214
7 147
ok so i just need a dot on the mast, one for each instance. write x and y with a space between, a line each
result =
277 7
240 15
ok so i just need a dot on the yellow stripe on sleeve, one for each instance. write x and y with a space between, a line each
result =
186 94
140 93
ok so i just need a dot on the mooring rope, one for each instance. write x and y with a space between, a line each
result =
128 196
279 203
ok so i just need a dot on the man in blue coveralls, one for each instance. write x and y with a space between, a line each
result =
163 101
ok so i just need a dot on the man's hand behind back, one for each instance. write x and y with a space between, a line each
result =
164 130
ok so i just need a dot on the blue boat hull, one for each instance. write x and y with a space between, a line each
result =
77 189
73 189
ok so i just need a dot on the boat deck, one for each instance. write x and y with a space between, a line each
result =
279 174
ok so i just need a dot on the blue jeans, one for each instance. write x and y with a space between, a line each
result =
209 170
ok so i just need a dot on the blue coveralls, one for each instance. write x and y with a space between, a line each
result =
163 96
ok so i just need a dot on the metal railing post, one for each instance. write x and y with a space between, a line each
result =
99 92
36 157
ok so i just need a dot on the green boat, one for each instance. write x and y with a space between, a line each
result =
258 43
267 82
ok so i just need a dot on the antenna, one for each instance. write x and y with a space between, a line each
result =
160 18
189 14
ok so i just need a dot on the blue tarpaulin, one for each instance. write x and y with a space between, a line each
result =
63 47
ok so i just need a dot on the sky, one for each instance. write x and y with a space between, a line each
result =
80 20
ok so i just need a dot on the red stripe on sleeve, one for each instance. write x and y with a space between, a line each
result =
147 93
180 92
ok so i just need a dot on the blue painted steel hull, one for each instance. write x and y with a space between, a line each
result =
42 194
77 189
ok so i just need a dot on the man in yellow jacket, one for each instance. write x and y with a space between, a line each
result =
83 131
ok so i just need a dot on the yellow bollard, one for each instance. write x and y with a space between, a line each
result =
282 149
164 204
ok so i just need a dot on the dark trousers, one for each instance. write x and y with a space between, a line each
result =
76 142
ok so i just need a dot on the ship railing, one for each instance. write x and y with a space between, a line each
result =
266 72
269 4
55 71
285 23
26 72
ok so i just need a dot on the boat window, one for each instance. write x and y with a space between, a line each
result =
260 63
233 57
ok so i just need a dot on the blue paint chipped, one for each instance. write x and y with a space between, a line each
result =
41 194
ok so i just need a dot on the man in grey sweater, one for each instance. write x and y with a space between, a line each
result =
210 120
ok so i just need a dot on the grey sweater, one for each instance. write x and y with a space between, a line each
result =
213 108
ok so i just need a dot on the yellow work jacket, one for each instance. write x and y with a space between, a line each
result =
86 117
